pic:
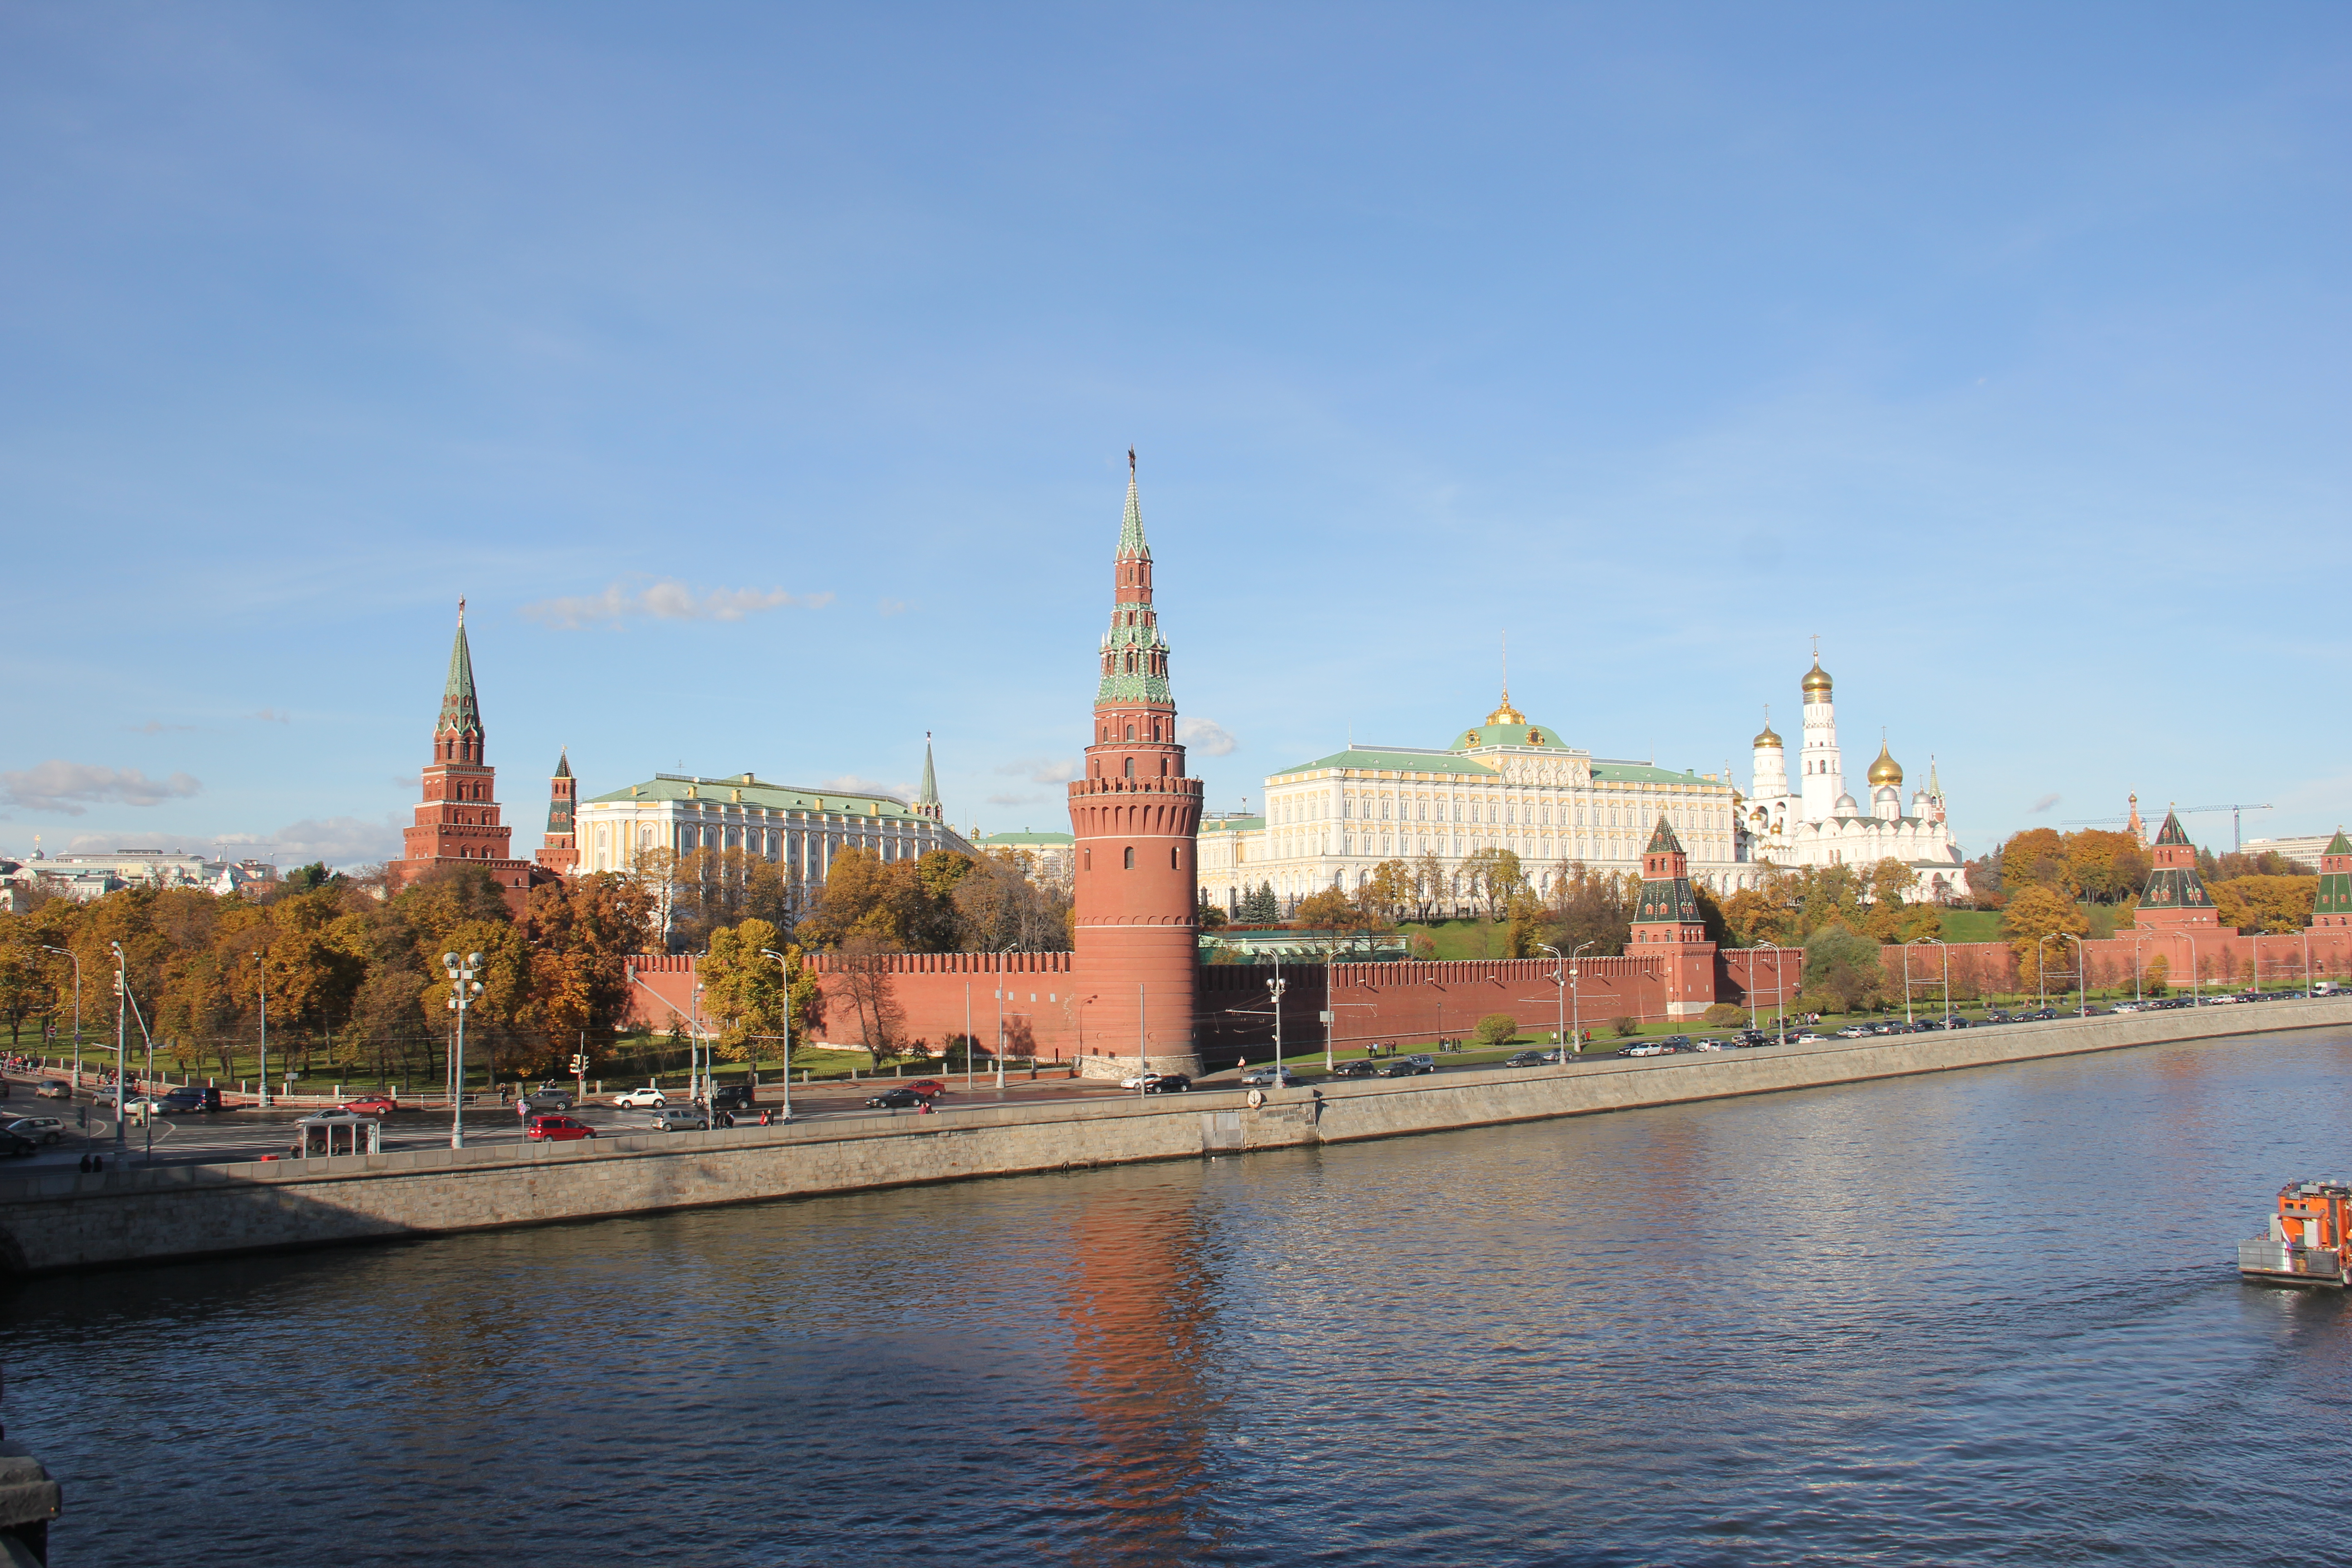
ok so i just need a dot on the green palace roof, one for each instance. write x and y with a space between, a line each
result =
1233 825
745 789
1377 760
1025 838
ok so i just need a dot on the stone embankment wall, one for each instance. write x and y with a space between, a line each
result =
66 1221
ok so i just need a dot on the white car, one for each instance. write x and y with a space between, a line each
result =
646 1099
39 1128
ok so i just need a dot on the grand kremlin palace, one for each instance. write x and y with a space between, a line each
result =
1504 783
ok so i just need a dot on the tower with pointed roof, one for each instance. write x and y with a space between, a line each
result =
559 848
927 799
2174 898
1668 927
2332 905
458 818
1136 820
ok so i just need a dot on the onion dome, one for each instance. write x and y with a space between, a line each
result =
1507 714
1816 684
1767 738
1886 770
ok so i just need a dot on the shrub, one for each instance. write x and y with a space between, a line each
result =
1625 1026
1495 1029
1724 1015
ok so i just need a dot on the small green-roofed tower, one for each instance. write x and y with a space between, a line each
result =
2332 904
1668 927
2176 894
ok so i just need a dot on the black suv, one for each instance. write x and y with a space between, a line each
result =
731 1097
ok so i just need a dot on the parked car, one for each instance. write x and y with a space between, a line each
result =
1705 1046
54 1088
39 1128
897 1100
646 1099
1168 1083
1361 1066
731 1097
679 1118
1647 1048
1523 1060
1405 1067
557 1130
372 1105
549 1098
1264 1078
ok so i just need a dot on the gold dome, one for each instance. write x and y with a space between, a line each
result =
1507 714
1767 738
1816 683
1886 770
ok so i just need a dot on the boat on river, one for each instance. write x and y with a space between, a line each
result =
2307 1243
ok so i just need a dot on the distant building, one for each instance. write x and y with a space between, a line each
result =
2305 851
798 827
1050 854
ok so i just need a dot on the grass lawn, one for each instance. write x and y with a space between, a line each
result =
1469 938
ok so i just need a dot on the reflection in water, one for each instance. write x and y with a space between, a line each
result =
1982 1316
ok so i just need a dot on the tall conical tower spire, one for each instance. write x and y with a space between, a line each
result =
1131 545
461 709
1134 654
927 800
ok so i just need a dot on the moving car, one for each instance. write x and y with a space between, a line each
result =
1647 1048
927 1085
39 1128
731 1097
646 1099
549 1097
54 1088
190 1097
13 1144
1528 1059
557 1130
897 1100
371 1105
679 1118
1363 1066
1168 1083
1264 1078
1405 1067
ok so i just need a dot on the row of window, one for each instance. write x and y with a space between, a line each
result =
1509 814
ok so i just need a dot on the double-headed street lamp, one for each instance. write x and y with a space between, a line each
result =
463 989
1780 992
261 990
69 953
1563 978
771 952
121 1048
1924 941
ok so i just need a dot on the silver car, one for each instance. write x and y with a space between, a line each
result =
39 1128
679 1118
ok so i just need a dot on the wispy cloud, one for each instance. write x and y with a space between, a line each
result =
850 784
1014 799
71 787
157 727
1043 770
340 841
2044 803
664 600
894 607
1205 735
271 716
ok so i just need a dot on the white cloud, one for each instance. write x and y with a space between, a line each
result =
64 786
894 607
664 600
340 841
1205 735
157 727
1014 799
271 716
850 784
2044 803
1043 770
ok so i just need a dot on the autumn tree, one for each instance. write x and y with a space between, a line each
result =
1842 972
868 989
1387 892
1492 875
2033 913
1431 884
745 990
2256 903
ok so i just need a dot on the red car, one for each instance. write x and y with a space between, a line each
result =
925 1087
557 1130
371 1105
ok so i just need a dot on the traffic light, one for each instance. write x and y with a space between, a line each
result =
579 1066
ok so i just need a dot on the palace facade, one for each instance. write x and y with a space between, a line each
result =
1504 783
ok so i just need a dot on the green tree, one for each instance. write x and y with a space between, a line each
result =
1492 875
1843 967
744 990
1495 1029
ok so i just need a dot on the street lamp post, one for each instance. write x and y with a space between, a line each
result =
1273 990
1780 997
463 989
121 1001
1560 985
770 952
1926 942
2081 975
2196 980
2040 974
1003 954
69 953
261 990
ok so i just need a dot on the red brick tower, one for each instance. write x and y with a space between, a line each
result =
1137 819
559 848
459 817
2174 898
2332 906
1668 927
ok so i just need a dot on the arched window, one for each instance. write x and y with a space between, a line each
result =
1087 857
1130 857
1163 767
1130 767
1172 864
1130 733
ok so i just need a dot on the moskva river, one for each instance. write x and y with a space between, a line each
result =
1984 1317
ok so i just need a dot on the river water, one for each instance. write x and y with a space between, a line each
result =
1982 1316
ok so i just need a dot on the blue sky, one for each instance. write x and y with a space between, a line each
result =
763 376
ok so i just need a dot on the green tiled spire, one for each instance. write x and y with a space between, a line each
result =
1663 840
563 764
927 800
1134 654
1668 900
461 709
2173 832
2333 903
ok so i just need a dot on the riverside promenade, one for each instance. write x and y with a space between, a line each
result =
61 1222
